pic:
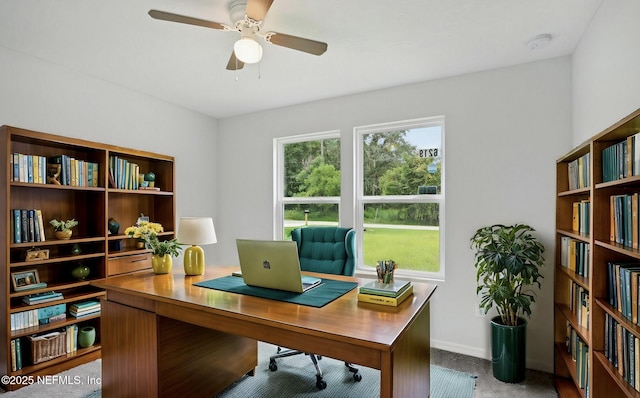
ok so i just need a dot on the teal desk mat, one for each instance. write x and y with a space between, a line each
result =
319 296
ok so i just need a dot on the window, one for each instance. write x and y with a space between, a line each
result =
399 171
307 182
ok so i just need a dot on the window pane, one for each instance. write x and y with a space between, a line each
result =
312 168
402 162
301 215
407 233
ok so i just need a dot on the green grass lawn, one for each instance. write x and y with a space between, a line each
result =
410 248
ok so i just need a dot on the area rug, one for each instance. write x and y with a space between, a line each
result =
295 377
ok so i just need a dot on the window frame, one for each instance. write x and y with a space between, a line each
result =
279 200
360 200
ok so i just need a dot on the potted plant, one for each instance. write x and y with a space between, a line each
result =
62 229
144 231
508 260
162 253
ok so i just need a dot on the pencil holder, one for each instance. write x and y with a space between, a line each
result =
385 269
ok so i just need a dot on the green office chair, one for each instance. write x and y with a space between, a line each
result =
329 250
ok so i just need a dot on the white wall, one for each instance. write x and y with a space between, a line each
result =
504 131
606 77
45 97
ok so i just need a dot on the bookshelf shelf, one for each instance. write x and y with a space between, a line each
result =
609 227
63 178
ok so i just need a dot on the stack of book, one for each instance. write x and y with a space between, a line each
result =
40 298
391 294
84 308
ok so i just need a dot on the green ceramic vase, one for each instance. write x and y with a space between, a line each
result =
508 350
86 336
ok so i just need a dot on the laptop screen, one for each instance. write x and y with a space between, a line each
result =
272 264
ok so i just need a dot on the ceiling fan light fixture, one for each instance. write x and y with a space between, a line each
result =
248 50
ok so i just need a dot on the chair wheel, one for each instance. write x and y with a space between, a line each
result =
321 384
357 377
273 366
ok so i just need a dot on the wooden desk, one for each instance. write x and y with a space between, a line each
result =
162 336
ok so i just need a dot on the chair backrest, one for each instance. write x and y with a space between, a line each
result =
330 250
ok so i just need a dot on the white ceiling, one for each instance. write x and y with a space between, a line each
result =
372 44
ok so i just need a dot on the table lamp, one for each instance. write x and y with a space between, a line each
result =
195 231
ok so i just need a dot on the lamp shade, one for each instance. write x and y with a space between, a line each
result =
248 50
196 231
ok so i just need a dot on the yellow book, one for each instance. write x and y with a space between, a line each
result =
384 300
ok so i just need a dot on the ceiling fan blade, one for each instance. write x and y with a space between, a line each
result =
257 9
234 63
296 43
167 16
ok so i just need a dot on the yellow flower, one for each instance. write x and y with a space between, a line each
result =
144 230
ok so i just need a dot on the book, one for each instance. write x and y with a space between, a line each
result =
51 313
42 298
85 304
393 289
385 300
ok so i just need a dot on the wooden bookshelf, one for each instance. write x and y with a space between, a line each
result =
605 375
91 202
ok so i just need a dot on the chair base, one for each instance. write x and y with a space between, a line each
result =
320 383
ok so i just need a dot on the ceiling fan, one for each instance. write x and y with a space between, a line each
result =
247 16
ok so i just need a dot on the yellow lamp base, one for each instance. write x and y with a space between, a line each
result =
194 260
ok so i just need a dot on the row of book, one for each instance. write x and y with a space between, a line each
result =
574 255
581 221
391 294
40 298
124 174
579 172
63 169
623 288
75 172
622 159
27 225
624 225
17 350
579 351
53 313
28 168
38 316
622 349
579 304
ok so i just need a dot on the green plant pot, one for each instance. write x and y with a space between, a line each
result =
508 350
86 336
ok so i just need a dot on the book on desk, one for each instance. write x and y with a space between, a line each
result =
391 294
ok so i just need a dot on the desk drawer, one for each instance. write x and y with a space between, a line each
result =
134 262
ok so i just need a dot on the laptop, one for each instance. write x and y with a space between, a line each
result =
273 264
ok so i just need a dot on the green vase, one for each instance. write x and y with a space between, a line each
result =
86 336
81 272
508 350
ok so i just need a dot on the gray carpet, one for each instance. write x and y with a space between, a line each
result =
295 377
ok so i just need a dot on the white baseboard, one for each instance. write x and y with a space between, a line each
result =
483 354
461 349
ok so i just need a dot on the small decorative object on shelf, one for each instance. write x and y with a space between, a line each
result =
26 280
63 228
113 226
36 254
81 272
75 250
86 336
385 269
150 177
